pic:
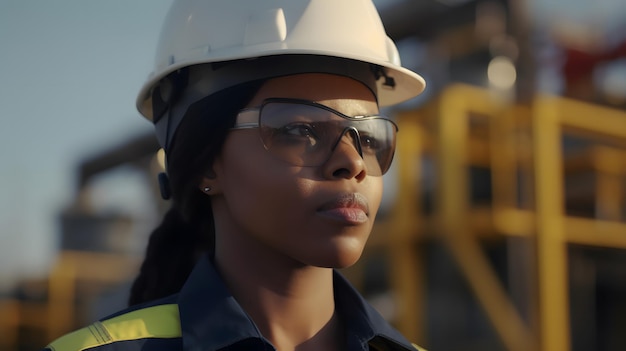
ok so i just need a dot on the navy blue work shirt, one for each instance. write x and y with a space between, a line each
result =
204 316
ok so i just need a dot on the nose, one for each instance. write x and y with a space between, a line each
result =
346 159
352 134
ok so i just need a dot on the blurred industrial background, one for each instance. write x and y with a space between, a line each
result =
504 222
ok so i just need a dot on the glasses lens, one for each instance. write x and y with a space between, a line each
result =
306 134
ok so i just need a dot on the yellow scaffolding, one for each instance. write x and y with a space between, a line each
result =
58 314
520 140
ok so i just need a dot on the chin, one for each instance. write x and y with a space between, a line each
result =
346 262
340 255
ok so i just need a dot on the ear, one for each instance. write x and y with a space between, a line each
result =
209 185
211 180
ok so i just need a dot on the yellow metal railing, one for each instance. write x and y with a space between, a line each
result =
522 149
453 211
551 116
58 315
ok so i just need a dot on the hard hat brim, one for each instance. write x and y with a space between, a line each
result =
408 84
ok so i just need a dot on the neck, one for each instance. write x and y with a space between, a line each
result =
292 304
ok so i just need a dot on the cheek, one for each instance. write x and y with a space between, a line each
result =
374 193
258 188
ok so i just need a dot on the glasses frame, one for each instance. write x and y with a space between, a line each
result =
249 123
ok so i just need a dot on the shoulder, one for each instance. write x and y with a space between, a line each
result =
157 325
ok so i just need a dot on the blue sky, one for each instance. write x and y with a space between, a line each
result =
69 74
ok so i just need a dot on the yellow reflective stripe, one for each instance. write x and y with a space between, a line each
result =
153 322
418 347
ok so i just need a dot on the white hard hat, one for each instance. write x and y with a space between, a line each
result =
216 31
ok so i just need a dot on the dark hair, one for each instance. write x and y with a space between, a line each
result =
187 230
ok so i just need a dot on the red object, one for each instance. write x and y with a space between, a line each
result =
580 64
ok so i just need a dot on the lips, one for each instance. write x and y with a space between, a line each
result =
351 208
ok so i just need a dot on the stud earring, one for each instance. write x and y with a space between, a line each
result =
206 189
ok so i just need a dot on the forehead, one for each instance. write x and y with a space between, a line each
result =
344 94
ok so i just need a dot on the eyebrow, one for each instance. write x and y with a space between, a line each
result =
356 109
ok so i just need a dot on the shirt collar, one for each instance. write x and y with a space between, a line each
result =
211 318
362 322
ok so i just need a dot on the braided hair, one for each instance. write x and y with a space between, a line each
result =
187 230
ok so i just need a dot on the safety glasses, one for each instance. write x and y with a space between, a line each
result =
305 133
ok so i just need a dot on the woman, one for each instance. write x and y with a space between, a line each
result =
269 115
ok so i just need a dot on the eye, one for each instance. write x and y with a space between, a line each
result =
297 133
368 142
